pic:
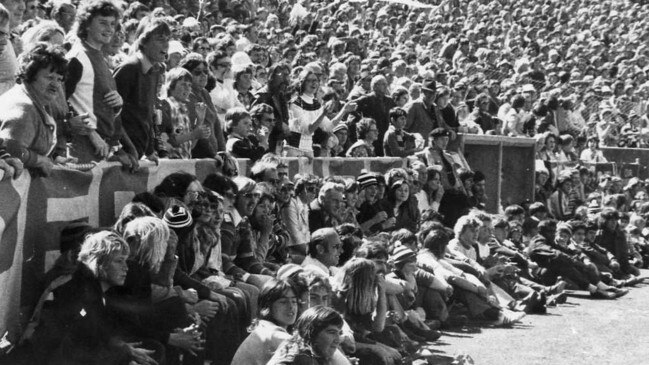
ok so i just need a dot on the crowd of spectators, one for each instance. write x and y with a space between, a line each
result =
267 269
281 269
188 79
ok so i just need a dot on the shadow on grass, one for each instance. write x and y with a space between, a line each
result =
440 359
467 329
580 295
548 314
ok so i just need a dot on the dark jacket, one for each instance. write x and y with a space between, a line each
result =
138 90
84 323
318 218
378 108
408 216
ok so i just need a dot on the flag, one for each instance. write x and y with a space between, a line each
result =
34 211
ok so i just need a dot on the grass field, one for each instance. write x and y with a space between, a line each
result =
582 331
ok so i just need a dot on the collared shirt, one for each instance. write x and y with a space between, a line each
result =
319 267
233 216
146 63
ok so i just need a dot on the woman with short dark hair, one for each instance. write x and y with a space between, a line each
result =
316 338
26 125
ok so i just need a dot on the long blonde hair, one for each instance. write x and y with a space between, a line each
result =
147 237
356 284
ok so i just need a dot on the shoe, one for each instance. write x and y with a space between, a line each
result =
455 321
508 318
434 324
602 294
618 292
558 287
633 281
557 299
431 335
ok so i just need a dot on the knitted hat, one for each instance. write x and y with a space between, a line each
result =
287 271
177 217
402 255
340 127
366 180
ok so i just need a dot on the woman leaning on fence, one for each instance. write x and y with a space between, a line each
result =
27 127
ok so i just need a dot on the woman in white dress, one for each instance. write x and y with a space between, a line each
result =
307 114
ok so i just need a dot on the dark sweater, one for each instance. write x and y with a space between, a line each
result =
138 90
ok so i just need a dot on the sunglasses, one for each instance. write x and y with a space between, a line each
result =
311 189
286 189
252 195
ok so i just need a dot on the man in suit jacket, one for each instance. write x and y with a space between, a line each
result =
423 114
377 106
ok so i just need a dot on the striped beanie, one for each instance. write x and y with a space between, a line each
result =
288 270
366 180
402 255
177 217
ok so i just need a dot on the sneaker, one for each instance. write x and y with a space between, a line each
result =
619 292
508 318
558 287
602 294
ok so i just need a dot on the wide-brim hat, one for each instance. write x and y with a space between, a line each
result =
429 85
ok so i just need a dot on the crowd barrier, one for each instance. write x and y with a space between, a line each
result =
630 161
507 162
33 212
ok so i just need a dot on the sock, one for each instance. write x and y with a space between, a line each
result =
592 288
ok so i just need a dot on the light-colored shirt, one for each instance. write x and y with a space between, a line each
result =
318 267
8 68
296 217
258 348
224 97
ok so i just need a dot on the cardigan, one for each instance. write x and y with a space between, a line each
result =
25 126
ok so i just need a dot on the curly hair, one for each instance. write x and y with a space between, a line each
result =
92 9
41 56
364 126
191 61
